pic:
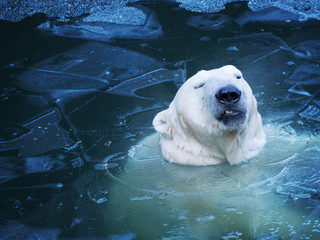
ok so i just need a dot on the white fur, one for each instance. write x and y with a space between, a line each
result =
189 131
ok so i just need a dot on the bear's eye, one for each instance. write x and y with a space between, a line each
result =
199 85
163 121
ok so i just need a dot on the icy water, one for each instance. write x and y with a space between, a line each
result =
78 155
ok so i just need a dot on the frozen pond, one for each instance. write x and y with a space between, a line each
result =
79 157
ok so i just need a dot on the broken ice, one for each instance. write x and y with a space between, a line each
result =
44 135
210 22
88 106
104 26
85 68
311 112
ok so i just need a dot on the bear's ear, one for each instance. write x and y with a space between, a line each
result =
161 124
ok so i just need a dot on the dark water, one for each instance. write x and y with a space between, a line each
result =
74 113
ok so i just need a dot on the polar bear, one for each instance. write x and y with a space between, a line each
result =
212 119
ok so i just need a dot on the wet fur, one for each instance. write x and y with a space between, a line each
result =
190 129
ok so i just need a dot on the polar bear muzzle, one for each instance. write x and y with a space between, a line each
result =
231 106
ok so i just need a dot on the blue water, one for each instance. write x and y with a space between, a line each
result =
78 155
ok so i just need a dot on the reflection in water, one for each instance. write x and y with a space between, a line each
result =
79 158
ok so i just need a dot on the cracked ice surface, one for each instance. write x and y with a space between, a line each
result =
38 139
309 9
92 66
13 11
102 26
75 122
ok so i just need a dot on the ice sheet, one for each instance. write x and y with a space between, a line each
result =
129 87
115 128
82 113
62 9
305 74
311 112
79 71
309 9
16 231
44 135
65 9
272 16
308 49
210 22
101 26
27 108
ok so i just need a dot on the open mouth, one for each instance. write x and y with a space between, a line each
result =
231 113
233 118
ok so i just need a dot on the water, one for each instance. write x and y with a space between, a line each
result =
269 194
79 158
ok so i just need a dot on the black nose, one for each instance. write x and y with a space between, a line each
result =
228 95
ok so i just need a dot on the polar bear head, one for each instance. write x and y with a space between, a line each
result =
212 119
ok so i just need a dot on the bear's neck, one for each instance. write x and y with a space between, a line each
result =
227 145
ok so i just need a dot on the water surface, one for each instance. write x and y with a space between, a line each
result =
79 158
